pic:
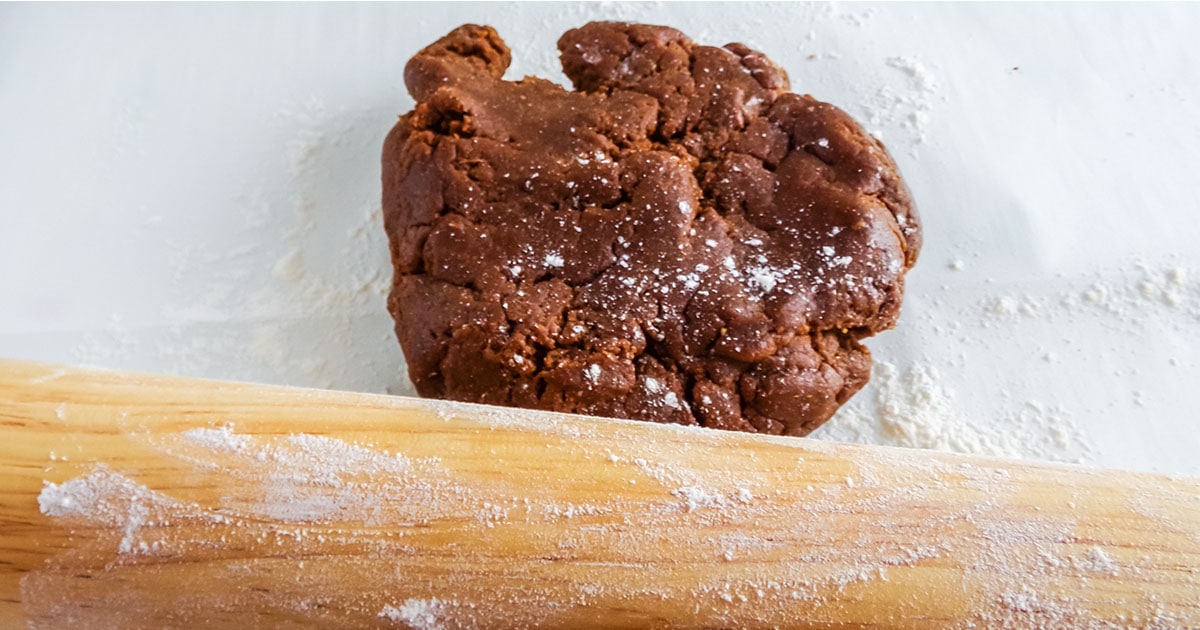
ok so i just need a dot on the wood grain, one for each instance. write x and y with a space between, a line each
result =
147 501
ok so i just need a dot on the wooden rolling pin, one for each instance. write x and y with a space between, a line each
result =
148 501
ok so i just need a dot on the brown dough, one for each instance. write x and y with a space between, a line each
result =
681 239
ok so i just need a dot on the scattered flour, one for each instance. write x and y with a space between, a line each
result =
312 478
418 614
1131 307
1129 297
695 498
912 408
1098 560
240 304
905 107
114 500
103 495
922 77
220 439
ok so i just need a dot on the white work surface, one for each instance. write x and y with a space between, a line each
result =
195 190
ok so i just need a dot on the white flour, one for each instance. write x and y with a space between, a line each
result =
418 614
220 439
695 498
111 499
103 496
907 107
912 409
278 308
309 478
1132 308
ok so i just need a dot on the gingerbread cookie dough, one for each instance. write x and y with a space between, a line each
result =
679 239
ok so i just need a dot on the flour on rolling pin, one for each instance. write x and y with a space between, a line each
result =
301 495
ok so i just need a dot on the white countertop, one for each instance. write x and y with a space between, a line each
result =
193 189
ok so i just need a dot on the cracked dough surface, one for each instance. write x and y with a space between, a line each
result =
679 239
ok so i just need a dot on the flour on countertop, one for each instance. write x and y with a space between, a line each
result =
912 408
906 107
923 79
306 307
1131 297
1132 306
